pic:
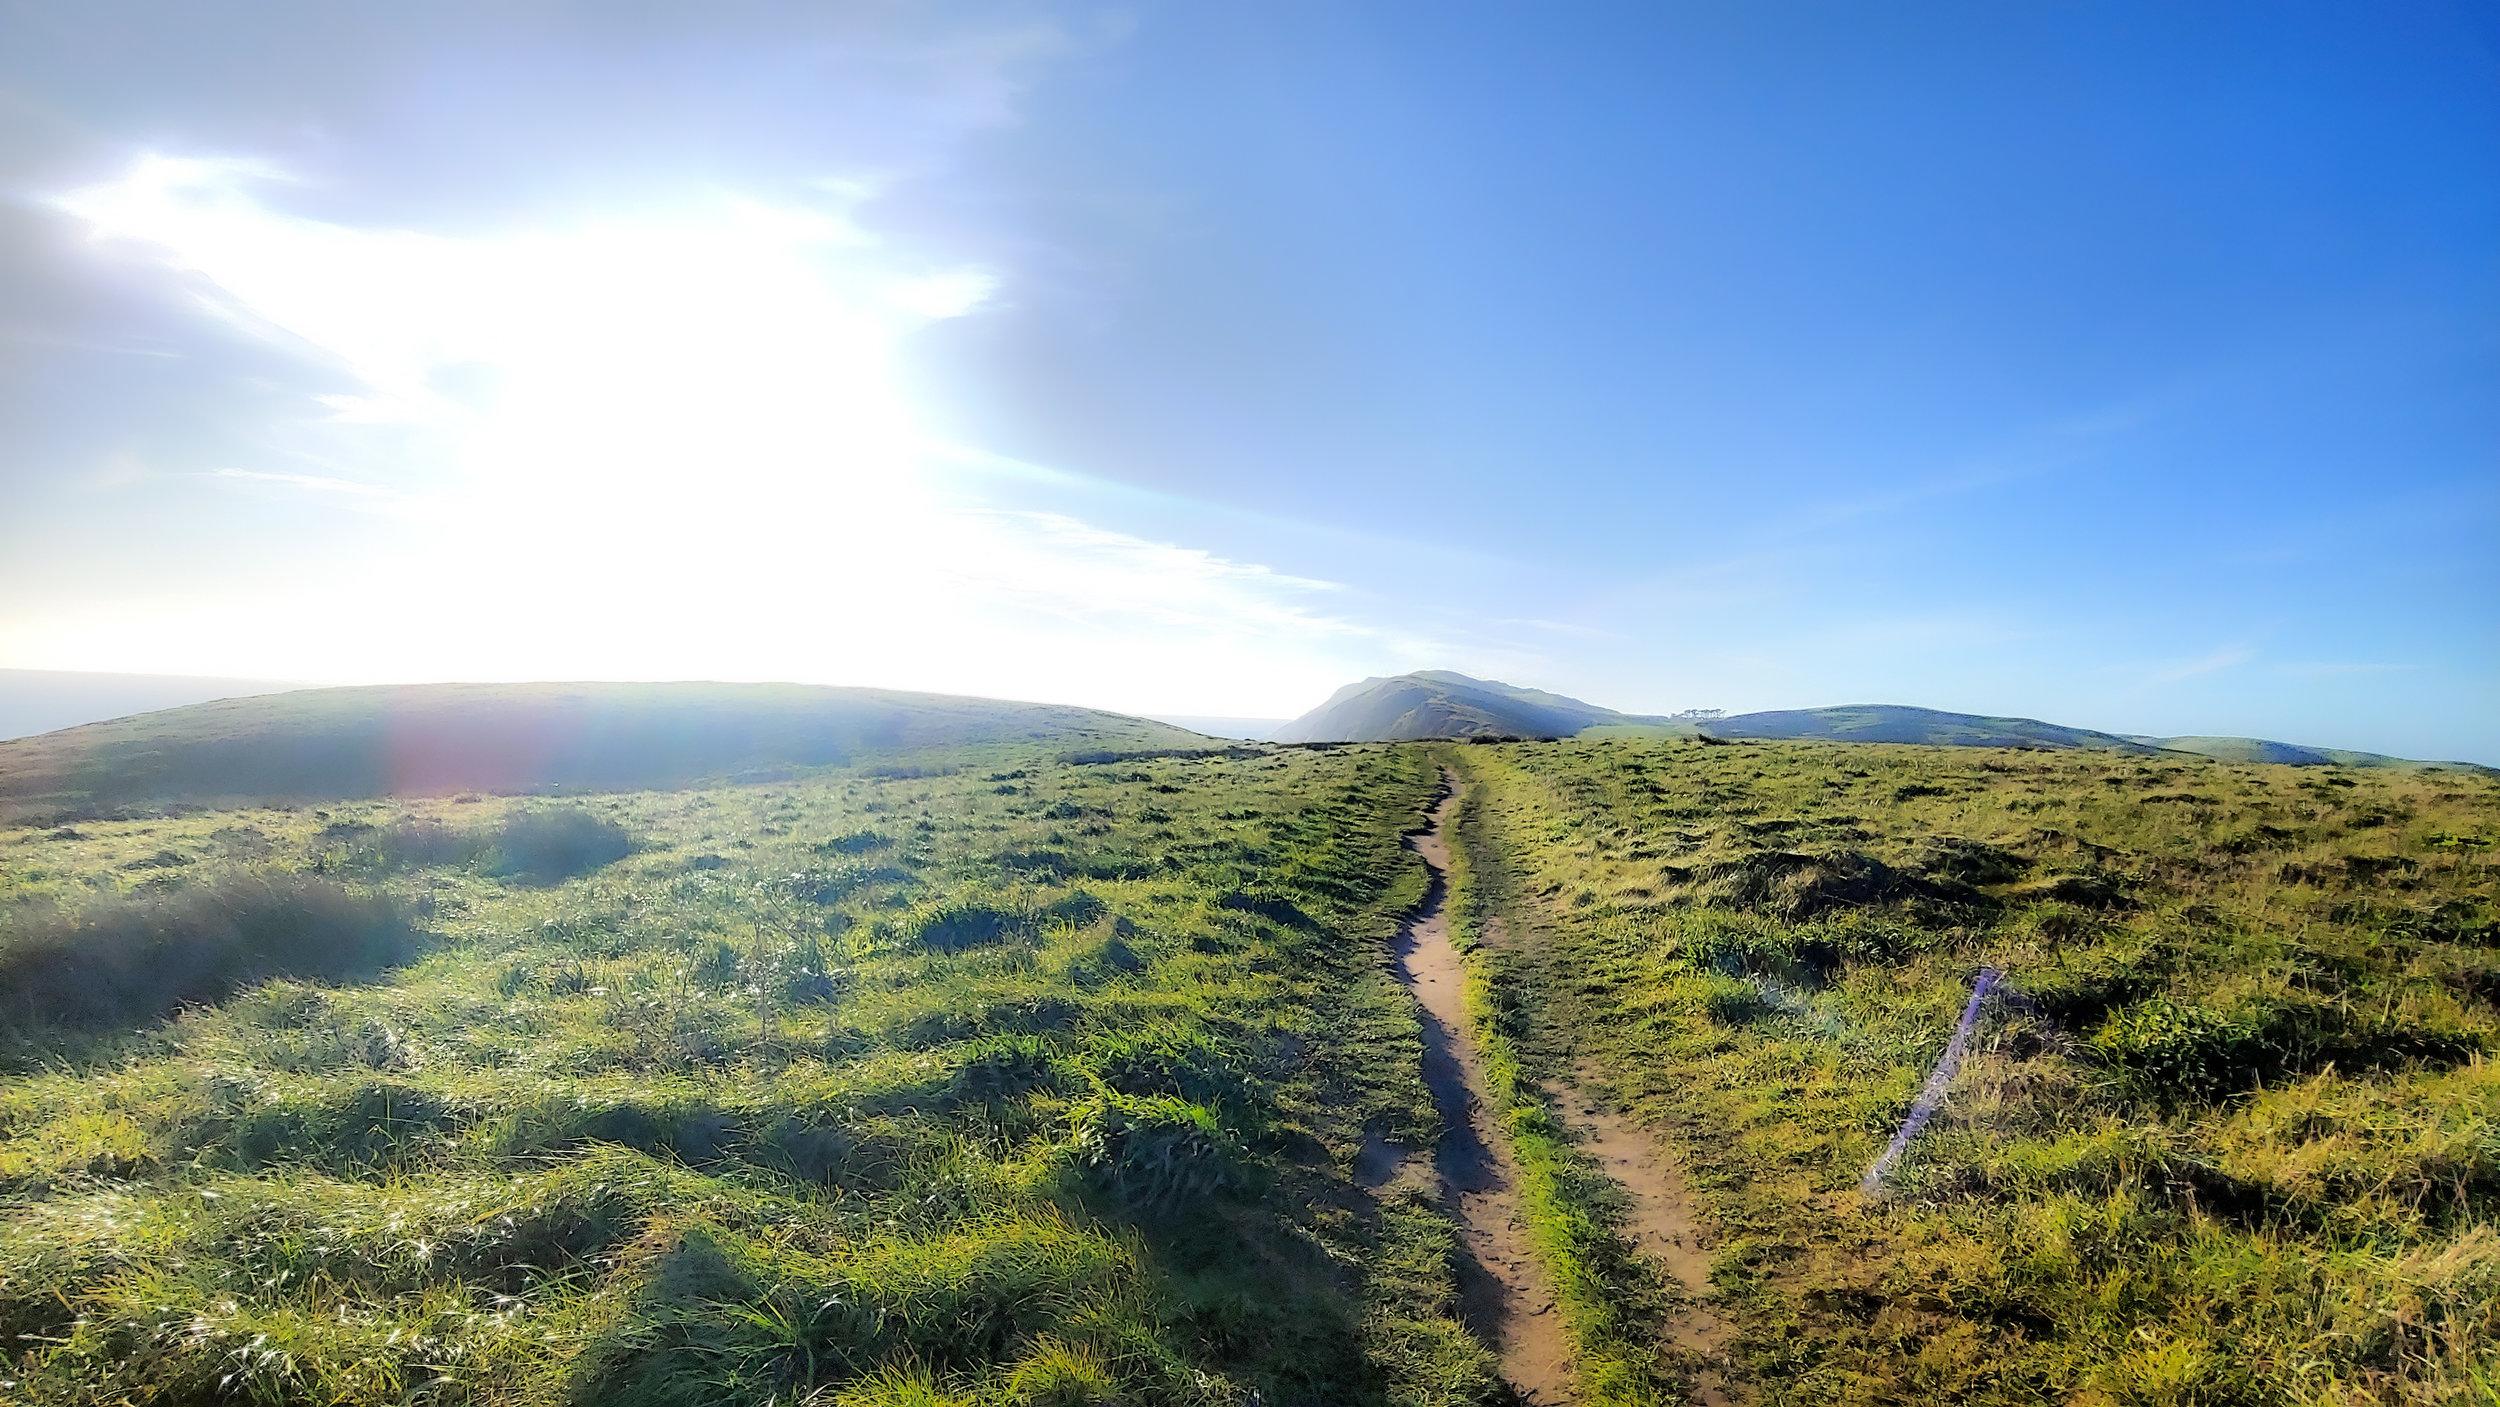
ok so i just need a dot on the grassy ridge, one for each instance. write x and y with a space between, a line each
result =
1029 1082
2243 1146
442 739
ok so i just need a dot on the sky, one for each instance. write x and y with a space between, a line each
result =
2133 366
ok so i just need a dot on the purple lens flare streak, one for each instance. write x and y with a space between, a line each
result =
1939 1084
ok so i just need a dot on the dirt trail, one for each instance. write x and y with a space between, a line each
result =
1503 1292
1664 1224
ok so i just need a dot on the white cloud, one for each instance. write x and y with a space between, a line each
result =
666 445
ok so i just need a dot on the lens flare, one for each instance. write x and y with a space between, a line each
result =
1939 1084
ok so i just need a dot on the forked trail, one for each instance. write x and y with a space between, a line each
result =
1503 1295
1503 1292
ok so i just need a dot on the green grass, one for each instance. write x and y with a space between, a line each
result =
993 1078
2244 1149
1024 1073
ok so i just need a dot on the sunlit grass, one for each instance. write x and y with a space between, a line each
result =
1004 1077
1031 1083
2245 1148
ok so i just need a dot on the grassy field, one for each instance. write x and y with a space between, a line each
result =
983 1077
1025 1073
2231 1135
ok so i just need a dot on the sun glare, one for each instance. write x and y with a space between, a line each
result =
621 355
684 430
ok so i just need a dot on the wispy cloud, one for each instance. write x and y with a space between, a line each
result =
370 494
2212 662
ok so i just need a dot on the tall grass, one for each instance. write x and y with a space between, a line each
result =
134 957
821 1092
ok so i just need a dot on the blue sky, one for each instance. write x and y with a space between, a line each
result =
2136 367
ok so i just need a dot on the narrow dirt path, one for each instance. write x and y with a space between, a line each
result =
1665 1224
1503 1293
1503 1296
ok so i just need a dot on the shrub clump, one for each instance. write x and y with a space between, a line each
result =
1733 1001
1799 887
135 958
424 841
962 923
558 842
2181 1051
1170 1059
1155 1150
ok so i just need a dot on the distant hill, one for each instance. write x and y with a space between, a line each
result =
41 700
1900 723
1224 726
2260 750
438 738
1435 703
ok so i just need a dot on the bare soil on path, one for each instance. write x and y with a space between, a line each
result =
1503 1293
1664 1225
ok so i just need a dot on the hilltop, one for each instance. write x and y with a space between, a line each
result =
1439 704
1900 723
436 739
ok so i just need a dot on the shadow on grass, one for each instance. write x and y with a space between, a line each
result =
135 958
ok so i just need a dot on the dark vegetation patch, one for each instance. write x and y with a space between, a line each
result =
122 959
962 923
2182 1053
553 843
1155 1150
1970 862
2090 891
1276 908
1801 886
832 884
857 842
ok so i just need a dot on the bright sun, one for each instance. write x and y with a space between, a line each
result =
682 437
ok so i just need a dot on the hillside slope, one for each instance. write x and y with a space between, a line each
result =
438 738
1900 723
1436 703
823 1090
37 701
2292 754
